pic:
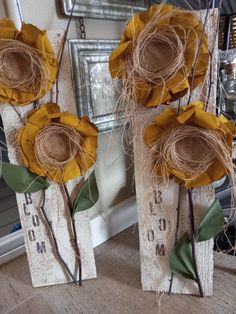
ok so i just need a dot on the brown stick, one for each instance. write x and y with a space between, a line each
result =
63 262
176 235
197 55
193 242
211 55
62 50
19 115
74 233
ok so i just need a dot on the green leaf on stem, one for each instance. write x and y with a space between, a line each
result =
181 261
87 196
21 180
212 223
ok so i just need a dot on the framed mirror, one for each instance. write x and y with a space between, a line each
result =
104 9
96 92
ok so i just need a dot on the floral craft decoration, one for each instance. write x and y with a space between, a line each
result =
28 65
56 144
194 146
157 53
60 147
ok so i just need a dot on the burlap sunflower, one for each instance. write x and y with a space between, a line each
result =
28 65
57 145
194 146
156 55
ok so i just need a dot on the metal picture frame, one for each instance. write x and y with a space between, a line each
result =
104 9
96 93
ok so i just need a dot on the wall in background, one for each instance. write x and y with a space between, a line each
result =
114 182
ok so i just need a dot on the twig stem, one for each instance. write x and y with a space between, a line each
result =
55 240
211 56
19 115
197 54
176 234
62 50
74 232
192 223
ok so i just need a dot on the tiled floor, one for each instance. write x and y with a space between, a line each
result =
117 289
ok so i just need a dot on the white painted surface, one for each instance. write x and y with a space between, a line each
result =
115 220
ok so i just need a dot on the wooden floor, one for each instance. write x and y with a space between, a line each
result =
117 289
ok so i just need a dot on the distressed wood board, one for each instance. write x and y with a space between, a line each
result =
44 266
157 213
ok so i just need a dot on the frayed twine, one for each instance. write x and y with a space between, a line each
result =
56 145
22 67
190 151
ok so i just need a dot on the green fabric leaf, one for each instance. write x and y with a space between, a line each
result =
21 180
181 261
212 223
87 196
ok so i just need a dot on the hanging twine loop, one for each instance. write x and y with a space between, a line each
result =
22 67
56 145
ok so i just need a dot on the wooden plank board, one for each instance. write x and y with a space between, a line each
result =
44 266
157 213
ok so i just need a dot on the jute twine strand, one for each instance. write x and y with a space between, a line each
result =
21 67
159 56
56 145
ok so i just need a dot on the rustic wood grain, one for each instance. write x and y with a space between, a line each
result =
43 262
116 291
157 204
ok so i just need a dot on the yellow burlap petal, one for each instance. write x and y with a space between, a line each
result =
177 83
7 29
167 119
89 147
50 113
70 119
214 173
157 95
37 39
71 171
117 60
86 127
134 27
151 133
27 153
199 117
41 115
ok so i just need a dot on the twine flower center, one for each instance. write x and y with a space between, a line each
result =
56 145
21 66
158 56
188 151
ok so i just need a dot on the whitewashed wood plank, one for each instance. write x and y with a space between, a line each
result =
157 213
43 262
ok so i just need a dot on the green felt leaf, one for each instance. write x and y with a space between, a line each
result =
181 261
212 223
87 196
21 180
